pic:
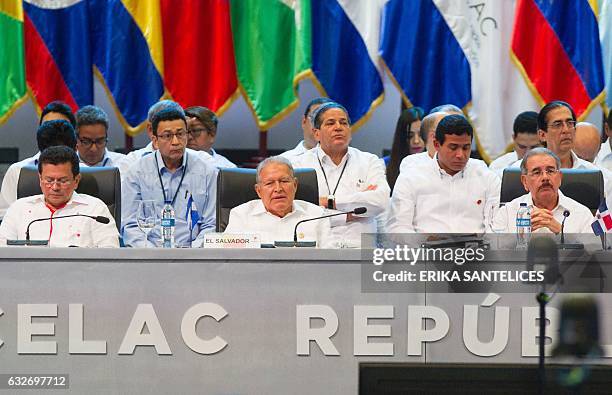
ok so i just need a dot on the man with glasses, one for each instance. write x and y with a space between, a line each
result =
173 174
541 178
59 174
202 127
92 136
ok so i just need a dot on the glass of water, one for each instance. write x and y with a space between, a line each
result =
146 217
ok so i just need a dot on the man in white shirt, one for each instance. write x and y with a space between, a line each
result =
604 158
58 168
541 178
348 178
50 133
525 137
92 136
276 213
309 141
202 127
587 142
450 194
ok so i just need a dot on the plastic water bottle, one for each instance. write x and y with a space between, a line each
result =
523 226
167 225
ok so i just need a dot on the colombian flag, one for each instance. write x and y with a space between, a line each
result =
556 46
126 41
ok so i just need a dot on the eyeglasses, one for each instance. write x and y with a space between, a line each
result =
537 173
182 135
285 181
87 143
558 125
61 182
195 133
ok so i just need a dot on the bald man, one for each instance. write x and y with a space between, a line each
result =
587 142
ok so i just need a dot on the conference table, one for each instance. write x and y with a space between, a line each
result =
250 321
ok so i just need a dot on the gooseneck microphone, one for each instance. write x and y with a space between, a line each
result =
358 211
566 214
98 218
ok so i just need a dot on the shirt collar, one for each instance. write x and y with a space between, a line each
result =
442 173
161 166
76 198
102 163
324 158
260 209
563 202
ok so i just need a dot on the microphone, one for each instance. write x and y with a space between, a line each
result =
566 214
569 246
98 218
295 243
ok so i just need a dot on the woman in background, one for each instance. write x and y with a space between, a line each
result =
406 141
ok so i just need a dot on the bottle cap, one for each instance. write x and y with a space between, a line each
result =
523 204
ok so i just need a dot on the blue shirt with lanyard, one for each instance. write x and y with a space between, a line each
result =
144 180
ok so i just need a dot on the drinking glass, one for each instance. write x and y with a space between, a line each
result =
146 217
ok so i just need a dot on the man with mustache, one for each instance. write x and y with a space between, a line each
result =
348 178
449 194
541 178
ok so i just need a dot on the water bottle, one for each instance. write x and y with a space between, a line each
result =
523 226
167 225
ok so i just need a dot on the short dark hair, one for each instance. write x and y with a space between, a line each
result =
167 114
56 132
314 102
454 124
610 118
58 155
548 108
318 114
204 115
91 115
59 107
526 122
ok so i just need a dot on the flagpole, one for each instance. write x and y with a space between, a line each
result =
190 221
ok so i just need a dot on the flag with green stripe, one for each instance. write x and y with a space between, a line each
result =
12 58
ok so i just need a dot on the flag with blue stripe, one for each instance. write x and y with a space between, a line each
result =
192 212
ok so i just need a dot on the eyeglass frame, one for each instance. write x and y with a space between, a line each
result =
168 136
62 183
87 143
549 171
195 133
558 125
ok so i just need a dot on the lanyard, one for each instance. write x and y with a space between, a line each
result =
339 178
162 183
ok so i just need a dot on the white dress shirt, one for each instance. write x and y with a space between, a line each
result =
414 160
11 179
579 221
363 184
252 217
499 164
604 157
110 159
65 232
299 150
220 161
429 200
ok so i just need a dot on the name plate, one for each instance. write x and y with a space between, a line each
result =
231 240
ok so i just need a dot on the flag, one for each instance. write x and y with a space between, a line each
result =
603 221
12 61
423 55
345 38
57 49
272 53
192 213
127 52
605 35
199 67
556 46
